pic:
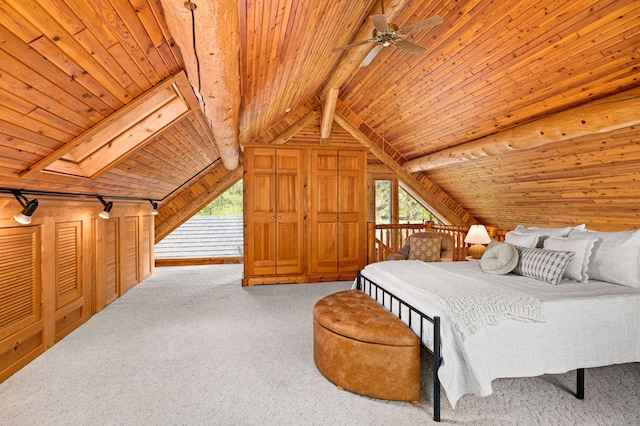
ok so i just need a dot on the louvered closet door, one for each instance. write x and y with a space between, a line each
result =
19 279
146 248
111 263
68 262
131 270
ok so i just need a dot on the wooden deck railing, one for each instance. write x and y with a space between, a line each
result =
382 240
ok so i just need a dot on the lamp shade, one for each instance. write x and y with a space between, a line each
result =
22 219
477 235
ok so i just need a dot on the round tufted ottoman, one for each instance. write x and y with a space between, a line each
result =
359 346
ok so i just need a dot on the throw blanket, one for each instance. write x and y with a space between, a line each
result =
471 302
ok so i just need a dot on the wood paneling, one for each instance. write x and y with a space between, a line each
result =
50 270
285 54
68 65
491 66
593 180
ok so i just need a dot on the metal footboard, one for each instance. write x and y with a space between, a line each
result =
389 300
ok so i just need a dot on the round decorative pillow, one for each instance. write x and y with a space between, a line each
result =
499 258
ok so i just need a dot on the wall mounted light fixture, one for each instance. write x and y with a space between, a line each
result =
28 208
108 205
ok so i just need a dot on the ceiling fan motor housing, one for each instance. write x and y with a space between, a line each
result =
386 38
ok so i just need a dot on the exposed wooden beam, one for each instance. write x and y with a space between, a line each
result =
605 115
327 112
292 130
353 57
402 174
213 65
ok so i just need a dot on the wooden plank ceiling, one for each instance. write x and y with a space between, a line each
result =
67 65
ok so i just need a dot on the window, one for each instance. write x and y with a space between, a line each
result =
411 211
395 204
384 208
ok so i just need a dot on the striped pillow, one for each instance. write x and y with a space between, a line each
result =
543 265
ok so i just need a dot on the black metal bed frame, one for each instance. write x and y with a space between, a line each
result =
375 291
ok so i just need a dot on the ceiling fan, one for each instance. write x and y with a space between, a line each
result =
386 34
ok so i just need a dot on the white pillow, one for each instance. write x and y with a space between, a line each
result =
615 258
521 239
543 265
548 232
499 258
578 266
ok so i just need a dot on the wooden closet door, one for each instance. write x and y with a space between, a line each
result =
260 211
274 212
351 211
324 211
289 212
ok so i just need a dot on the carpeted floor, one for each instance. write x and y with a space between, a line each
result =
189 346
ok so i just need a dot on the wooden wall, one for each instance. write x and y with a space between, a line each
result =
62 268
593 180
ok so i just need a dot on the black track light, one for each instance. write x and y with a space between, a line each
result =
155 207
28 208
107 208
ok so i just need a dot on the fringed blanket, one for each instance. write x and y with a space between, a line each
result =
471 302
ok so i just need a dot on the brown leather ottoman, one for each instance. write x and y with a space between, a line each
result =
359 346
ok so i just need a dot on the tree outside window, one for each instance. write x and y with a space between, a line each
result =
409 210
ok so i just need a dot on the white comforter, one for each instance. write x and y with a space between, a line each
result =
586 325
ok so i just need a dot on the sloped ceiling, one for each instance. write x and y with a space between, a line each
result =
68 65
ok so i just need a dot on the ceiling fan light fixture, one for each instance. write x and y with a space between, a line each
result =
385 34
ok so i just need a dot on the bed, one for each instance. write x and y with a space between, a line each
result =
550 329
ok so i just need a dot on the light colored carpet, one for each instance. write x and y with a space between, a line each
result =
189 346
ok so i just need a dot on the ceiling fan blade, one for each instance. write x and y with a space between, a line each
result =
380 22
422 25
410 47
349 46
371 56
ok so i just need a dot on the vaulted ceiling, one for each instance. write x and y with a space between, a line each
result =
175 87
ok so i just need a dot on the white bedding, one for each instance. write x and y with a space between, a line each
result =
587 325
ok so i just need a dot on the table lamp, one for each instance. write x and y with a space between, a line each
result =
477 236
